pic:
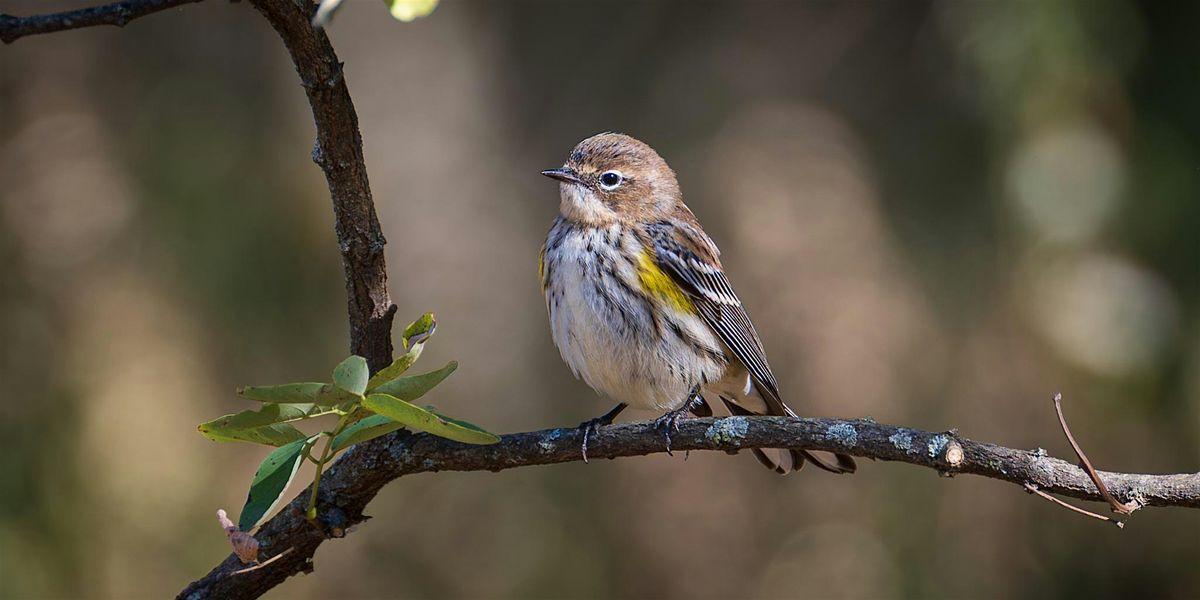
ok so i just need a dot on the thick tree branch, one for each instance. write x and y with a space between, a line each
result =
355 479
338 151
118 14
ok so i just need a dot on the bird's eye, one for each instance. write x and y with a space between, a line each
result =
609 180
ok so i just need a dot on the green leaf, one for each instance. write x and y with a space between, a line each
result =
415 335
276 434
368 428
323 394
271 480
465 425
352 374
266 426
420 330
407 10
413 387
397 368
416 417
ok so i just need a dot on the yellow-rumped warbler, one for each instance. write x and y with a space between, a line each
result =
639 305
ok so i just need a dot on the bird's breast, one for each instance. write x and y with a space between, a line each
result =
622 338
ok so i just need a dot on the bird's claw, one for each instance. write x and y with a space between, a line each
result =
589 428
592 427
669 423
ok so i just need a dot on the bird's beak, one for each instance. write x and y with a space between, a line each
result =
562 174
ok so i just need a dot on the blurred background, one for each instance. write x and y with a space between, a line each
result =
939 214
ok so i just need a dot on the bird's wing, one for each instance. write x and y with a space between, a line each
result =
684 251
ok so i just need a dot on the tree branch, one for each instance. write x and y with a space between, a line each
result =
355 479
13 28
338 151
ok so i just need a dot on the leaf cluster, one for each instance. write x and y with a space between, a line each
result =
366 406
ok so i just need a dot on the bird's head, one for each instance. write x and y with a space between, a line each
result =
611 177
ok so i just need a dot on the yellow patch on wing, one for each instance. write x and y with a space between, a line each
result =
542 267
658 284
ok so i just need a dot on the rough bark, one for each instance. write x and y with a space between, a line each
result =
338 151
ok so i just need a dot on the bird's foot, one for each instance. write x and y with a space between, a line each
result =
591 427
669 422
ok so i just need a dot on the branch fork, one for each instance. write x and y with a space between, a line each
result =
1121 508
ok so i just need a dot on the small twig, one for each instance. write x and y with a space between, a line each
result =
311 512
1117 506
326 454
116 14
262 564
1033 489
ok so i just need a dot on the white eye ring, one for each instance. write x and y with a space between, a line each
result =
611 180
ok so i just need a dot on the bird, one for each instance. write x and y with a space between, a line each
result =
639 305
